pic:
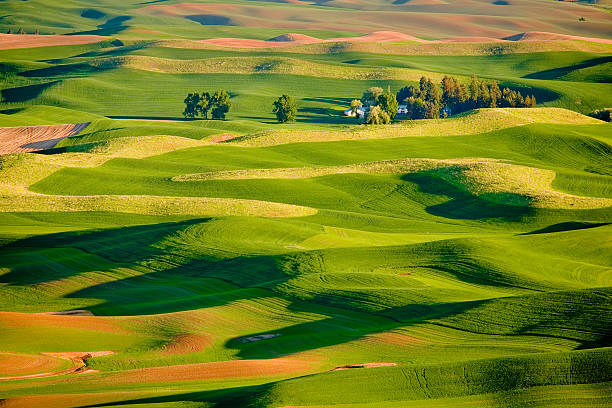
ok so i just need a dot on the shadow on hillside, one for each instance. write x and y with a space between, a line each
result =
177 274
566 226
26 93
111 27
464 205
72 70
334 101
116 245
556 73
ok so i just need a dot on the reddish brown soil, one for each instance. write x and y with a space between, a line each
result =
188 343
66 400
470 39
96 323
10 41
427 18
77 359
209 371
13 364
379 36
34 138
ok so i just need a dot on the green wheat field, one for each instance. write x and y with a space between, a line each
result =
148 260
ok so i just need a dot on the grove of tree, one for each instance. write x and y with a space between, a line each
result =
197 104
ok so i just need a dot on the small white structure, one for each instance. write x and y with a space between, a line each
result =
402 110
360 112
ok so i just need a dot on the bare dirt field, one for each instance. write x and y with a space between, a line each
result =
11 41
77 358
25 139
209 371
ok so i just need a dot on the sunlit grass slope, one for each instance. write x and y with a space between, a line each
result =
459 262
442 255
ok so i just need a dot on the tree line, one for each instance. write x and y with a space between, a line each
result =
199 104
429 101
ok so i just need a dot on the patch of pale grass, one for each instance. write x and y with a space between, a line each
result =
25 169
153 205
19 171
516 185
144 146
415 48
261 65
480 121
383 167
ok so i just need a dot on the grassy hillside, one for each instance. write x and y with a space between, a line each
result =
154 261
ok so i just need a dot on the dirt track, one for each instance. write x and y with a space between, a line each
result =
25 139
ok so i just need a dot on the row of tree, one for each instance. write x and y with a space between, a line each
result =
219 104
429 101
197 104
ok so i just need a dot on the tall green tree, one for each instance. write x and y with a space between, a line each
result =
484 98
449 91
495 94
285 109
205 104
377 116
191 105
474 91
221 104
417 108
388 103
407 92
370 96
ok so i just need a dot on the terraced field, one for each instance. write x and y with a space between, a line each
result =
151 261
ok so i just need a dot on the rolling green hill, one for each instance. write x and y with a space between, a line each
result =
152 261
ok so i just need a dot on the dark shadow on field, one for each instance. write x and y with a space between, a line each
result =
119 49
322 115
68 70
110 27
335 101
567 226
557 73
507 381
115 245
178 275
26 93
338 328
211 19
223 398
541 94
464 205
